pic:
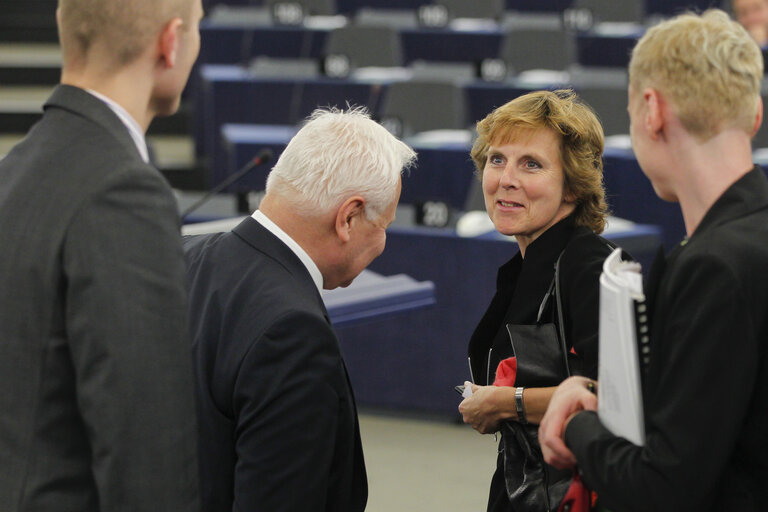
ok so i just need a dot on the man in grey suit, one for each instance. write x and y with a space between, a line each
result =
96 401
278 423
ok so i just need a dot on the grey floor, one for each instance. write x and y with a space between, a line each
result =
425 466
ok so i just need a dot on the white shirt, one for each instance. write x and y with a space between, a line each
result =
273 228
133 127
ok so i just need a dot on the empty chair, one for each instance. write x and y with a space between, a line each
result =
610 105
520 19
240 15
672 7
362 46
537 48
596 11
457 72
420 105
308 7
396 18
263 66
492 9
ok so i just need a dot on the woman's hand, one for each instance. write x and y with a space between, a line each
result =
487 406
572 396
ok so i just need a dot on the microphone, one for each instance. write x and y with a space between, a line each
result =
264 156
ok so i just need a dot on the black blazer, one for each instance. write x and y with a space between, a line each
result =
96 403
522 283
705 391
278 420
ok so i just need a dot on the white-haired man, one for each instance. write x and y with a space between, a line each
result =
279 427
694 104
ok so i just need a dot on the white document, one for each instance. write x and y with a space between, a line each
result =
622 317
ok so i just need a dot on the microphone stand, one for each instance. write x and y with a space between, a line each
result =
262 158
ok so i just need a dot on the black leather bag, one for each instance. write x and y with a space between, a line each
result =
542 361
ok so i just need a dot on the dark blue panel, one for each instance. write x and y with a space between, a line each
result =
484 97
672 7
228 94
441 174
449 45
350 6
631 196
413 361
539 5
242 142
605 51
236 45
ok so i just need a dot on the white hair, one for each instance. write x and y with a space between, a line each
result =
337 154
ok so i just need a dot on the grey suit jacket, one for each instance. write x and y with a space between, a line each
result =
96 402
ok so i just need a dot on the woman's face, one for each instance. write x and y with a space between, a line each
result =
523 185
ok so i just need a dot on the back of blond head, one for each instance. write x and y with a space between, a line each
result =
707 66
337 154
125 27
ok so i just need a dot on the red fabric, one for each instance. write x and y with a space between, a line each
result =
578 498
506 372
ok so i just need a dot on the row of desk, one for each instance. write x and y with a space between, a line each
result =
412 361
234 45
444 172
404 325
350 6
230 94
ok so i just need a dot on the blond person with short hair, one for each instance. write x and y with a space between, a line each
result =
95 374
694 104
539 159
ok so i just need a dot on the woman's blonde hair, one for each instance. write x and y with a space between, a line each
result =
581 145
708 67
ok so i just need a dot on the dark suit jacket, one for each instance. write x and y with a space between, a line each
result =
705 390
96 404
521 284
279 427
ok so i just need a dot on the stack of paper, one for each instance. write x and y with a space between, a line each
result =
622 317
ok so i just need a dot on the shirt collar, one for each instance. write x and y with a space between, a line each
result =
273 228
133 127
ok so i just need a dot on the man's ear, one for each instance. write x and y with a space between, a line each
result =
758 116
347 215
168 44
656 110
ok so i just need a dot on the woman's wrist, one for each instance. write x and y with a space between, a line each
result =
504 403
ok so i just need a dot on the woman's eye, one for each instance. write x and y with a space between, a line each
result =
532 164
496 159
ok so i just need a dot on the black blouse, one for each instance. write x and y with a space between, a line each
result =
521 285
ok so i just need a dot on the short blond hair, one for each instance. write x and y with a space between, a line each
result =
707 66
581 145
127 27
